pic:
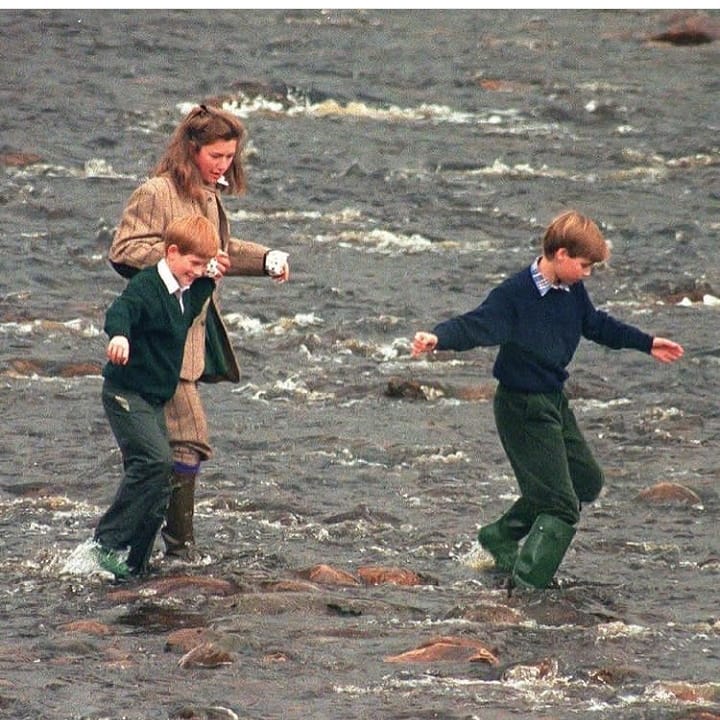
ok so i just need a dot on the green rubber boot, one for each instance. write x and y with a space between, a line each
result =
504 549
543 551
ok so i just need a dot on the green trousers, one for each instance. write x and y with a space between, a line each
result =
138 509
554 467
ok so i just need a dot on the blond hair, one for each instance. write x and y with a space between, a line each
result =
578 234
193 235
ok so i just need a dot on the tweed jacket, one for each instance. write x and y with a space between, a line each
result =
138 243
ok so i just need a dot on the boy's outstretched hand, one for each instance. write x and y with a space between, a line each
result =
666 350
423 342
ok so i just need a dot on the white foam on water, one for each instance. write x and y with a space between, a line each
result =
385 242
81 326
618 630
82 561
477 558
346 215
253 326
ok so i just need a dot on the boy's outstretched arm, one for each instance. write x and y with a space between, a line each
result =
666 350
423 342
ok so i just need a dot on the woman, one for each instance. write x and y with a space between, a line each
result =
203 159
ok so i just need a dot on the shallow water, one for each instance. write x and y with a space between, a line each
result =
407 161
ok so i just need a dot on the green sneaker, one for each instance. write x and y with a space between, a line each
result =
109 560
503 549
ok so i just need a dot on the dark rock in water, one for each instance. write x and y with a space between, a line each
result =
33 490
614 675
447 649
668 493
416 390
691 30
487 614
174 586
411 390
56 648
363 512
151 617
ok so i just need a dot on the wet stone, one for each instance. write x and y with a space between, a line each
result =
446 649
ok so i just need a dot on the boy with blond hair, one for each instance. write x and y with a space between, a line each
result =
537 318
147 326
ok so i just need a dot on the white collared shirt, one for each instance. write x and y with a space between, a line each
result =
171 283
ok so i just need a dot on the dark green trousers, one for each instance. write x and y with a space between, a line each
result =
138 509
553 465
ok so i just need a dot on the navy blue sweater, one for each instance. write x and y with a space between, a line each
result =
157 328
537 335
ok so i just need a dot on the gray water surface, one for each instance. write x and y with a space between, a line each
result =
407 161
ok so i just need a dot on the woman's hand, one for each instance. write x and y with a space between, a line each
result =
222 260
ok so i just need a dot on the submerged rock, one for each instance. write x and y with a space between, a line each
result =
89 627
373 575
447 649
486 613
416 390
545 669
186 639
192 712
698 29
328 575
207 655
31 367
668 493
19 159
176 585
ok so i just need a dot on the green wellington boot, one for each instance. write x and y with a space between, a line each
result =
500 545
542 552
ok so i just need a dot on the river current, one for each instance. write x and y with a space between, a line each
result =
408 161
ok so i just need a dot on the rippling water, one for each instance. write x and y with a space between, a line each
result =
407 161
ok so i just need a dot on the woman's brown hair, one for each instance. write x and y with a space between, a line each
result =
203 125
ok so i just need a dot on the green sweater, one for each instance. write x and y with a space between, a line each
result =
152 321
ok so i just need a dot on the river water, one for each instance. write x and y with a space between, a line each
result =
407 161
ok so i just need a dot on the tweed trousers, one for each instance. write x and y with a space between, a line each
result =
187 425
